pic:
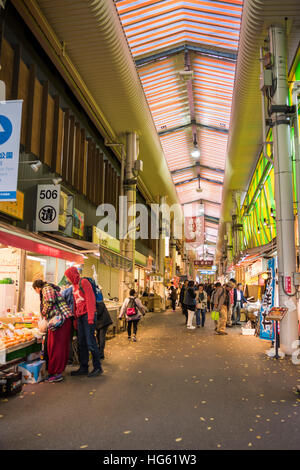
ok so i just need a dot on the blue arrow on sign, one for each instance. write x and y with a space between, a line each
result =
5 129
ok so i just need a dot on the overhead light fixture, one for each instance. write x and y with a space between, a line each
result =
36 166
195 152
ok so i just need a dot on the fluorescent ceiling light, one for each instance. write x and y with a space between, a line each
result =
195 153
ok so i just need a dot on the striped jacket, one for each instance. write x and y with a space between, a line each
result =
52 302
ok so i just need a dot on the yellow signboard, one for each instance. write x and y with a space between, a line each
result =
104 239
14 209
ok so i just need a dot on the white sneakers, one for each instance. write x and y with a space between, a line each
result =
191 327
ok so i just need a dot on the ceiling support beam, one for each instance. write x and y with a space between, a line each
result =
223 130
220 54
208 180
204 167
202 201
213 220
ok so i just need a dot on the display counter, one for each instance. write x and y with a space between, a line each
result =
114 310
19 336
18 353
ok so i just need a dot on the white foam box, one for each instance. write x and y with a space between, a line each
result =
248 331
34 372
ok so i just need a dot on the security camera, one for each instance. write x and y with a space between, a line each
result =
35 166
57 181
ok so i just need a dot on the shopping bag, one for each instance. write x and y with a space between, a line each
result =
215 315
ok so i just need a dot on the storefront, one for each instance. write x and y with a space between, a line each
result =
25 257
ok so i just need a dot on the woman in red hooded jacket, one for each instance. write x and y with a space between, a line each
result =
85 314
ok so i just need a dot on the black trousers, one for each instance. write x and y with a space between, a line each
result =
173 304
101 336
129 327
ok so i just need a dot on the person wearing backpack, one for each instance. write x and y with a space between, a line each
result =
133 310
86 316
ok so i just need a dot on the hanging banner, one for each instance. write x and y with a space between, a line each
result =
10 131
266 326
78 223
194 230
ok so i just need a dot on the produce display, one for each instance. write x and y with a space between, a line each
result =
19 328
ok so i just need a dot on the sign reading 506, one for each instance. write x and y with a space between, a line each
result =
47 208
48 194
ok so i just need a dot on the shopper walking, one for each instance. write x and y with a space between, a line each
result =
173 296
218 300
56 343
239 301
201 306
85 314
190 304
181 299
133 310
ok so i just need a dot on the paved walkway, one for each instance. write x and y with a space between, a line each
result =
173 389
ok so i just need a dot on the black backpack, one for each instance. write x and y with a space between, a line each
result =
103 318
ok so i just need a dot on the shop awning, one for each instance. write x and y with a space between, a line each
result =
107 256
114 260
28 241
252 254
84 246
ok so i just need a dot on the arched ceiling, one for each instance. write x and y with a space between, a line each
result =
185 53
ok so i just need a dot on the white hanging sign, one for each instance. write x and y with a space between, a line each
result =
47 208
10 131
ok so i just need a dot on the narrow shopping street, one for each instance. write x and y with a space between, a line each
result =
173 389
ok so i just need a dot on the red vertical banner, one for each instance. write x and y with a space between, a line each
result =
194 230
288 284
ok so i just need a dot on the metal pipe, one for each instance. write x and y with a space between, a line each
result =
295 93
283 190
130 192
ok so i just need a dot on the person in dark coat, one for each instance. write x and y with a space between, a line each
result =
103 322
181 300
173 296
190 303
